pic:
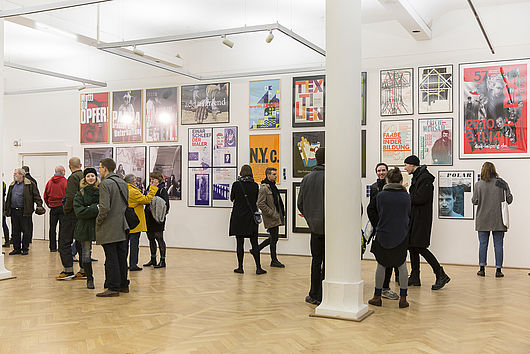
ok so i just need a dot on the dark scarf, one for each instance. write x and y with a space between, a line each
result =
245 179
278 203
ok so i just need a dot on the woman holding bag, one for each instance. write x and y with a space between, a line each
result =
488 196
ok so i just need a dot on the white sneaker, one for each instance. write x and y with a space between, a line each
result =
389 294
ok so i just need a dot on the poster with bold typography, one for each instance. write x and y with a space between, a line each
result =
95 118
161 114
309 101
199 186
455 189
435 141
305 145
225 147
435 89
396 141
299 222
200 147
131 160
127 116
93 156
168 161
264 151
205 103
264 104
493 109
396 92
223 178
282 232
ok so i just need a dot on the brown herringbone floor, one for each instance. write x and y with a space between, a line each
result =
199 305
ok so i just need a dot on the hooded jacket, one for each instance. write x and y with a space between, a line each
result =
55 191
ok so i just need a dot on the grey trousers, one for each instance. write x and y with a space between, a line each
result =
380 276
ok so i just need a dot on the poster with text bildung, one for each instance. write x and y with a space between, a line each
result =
223 178
396 92
200 147
493 109
95 126
435 141
309 101
161 114
127 116
199 187
455 189
225 147
92 157
264 104
205 103
396 141
305 146
131 160
435 89
168 161
299 222
264 151
282 232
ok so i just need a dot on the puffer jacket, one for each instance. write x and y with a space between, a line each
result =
137 201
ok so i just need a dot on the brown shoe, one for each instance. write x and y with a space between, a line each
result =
376 301
124 290
108 293
403 302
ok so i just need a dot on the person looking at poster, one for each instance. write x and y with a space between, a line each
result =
488 195
446 202
4 221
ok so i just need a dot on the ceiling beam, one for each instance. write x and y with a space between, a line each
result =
55 74
48 89
48 7
482 29
409 18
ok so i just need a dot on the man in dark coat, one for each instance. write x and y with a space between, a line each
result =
421 195
33 180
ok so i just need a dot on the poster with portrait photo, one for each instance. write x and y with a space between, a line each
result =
161 114
225 147
200 147
205 103
127 116
168 161
131 160
305 146
435 141
95 127
455 189
221 187
396 141
92 157
199 187
282 232
299 223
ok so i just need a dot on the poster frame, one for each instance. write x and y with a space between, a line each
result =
293 106
146 184
473 181
206 84
142 96
297 229
279 108
381 139
109 118
177 110
452 89
452 140
411 93
181 169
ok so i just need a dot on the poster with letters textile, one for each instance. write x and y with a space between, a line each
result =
205 103
127 112
455 189
161 114
264 104
435 141
309 101
396 141
95 127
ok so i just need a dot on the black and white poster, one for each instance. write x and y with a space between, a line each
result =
127 116
131 160
168 161
455 189
161 114
93 156
396 92
435 141
205 103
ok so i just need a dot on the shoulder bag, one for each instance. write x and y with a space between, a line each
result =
505 212
130 214
257 214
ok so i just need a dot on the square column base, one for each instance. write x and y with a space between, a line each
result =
4 273
343 301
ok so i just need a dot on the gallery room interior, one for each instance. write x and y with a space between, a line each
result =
197 89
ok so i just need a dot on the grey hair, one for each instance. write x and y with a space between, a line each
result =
20 171
60 169
130 178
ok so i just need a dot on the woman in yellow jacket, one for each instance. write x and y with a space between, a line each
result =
137 201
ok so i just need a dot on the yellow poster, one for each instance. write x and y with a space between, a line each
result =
264 152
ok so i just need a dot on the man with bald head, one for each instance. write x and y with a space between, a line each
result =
53 197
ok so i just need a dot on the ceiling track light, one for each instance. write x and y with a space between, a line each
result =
82 87
227 42
138 51
270 37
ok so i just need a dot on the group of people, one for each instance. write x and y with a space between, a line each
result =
88 209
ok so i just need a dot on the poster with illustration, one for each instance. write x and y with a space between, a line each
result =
225 147
205 103
127 112
131 160
305 145
199 147
264 104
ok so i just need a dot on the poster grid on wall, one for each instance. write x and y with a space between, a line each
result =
168 161
205 103
299 223
455 189
132 160
364 87
309 101
396 92
264 104
435 89
435 141
264 151
127 114
396 141
94 118
493 109
282 235
305 145
161 114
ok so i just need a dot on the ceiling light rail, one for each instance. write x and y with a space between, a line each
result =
48 7
55 74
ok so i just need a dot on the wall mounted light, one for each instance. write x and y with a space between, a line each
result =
227 42
270 37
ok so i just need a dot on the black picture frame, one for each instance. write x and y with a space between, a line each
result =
364 87
293 114
402 163
452 88
419 145
297 229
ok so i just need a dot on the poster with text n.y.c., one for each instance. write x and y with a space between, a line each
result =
95 125
264 151
396 141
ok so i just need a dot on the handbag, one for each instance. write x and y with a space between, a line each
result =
130 214
505 212
257 214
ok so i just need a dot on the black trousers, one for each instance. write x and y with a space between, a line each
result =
66 238
272 241
240 241
415 260
21 229
116 265
317 265
6 229
56 217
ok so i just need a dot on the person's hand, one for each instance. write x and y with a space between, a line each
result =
501 184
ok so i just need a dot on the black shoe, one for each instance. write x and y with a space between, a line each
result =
481 273
414 279
135 268
312 301
13 252
90 284
161 264
93 260
24 252
498 273
276 263
441 279
239 270
53 250
152 262
6 245
260 271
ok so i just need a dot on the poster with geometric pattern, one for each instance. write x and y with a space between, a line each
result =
264 104
309 101
435 89
396 92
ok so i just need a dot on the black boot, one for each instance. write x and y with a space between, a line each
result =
441 279
89 275
162 263
152 262
414 279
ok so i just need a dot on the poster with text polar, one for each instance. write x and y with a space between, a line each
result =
305 146
93 156
455 189
223 178
95 118
131 160
264 151
435 137
494 110
205 103
199 187
299 222
282 232
127 116
168 161
225 147
264 104
396 141
309 101
199 147
161 114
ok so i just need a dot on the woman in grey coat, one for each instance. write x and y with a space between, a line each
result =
488 195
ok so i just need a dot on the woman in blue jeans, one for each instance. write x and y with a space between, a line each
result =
488 195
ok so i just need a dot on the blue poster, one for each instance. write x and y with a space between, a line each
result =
264 104
202 189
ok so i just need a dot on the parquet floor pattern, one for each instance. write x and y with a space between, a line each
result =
198 305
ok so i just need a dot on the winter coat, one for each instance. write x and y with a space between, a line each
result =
30 195
371 209
137 201
55 191
72 187
311 200
152 224
242 217
393 207
488 197
111 225
86 209
421 196
271 216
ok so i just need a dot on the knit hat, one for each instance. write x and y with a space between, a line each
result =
90 170
413 160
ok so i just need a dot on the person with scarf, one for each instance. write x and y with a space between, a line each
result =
271 205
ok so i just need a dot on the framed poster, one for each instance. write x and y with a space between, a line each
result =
222 186
264 151
131 160
168 161
435 89
299 224
435 141
225 147
493 109
396 141
161 114
396 92
94 122
309 101
262 232
199 189
205 103
364 87
363 153
304 147
127 116
455 189
264 104
199 147
92 157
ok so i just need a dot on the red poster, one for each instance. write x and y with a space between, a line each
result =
95 118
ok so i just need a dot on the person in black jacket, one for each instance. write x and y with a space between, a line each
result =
4 222
155 230
33 180
244 195
421 194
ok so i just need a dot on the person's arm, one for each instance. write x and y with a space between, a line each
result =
36 196
82 211
262 202
504 185
300 200
47 194
137 198
371 209
165 196
422 194
104 203
474 199
71 190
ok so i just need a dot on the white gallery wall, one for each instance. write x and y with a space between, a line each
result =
50 123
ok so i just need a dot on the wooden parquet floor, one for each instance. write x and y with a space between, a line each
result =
198 305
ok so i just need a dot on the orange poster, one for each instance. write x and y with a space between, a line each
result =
264 152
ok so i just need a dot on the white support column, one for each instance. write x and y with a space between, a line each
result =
4 273
343 287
